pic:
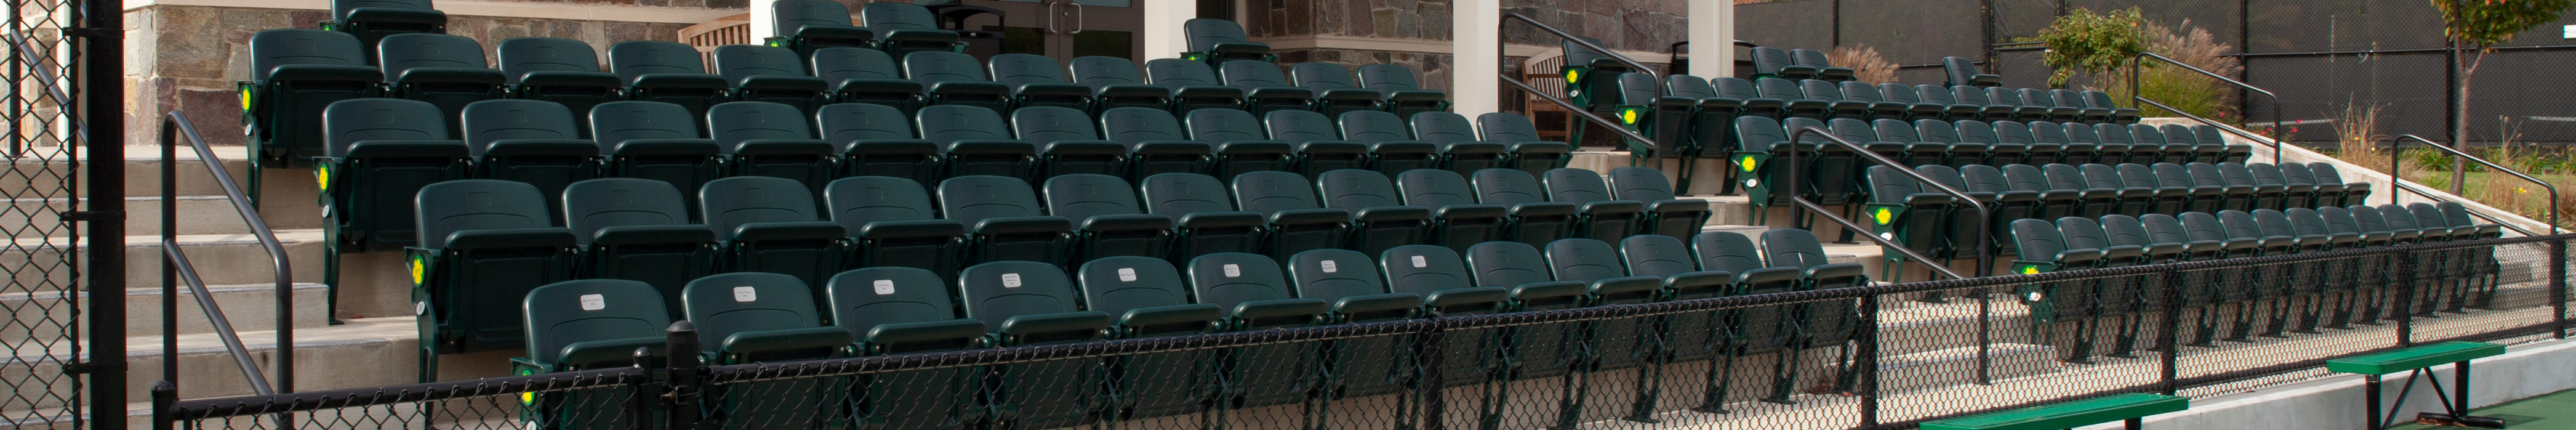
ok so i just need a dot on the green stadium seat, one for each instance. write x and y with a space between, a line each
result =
2328 278
2034 152
1666 213
563 71
773 140
1194 85
1769 62
2085 111
955 79
1988 109
1403 92
1834 172
2134 198
1532 351
574 325
2173 187
1520 138
861 75
2205 293
891 223
1762 140
2142 137
1392 148
1005 220
2034 104
2326 194
2326 174
2097 198
1148 298
1440 276
667 72
1350 283
1265 88
2364 280
808 26
2117 299
1880 105
2269 191
769 225
1712 112
1242 145
1458 221
1255 295
444 70
1336 90
877 140
1954 151
1974 133
756 317
1107 219
1962 231
2480 267
1207 220
2211 192
1906 212
1116 83
1379 217
1794 101
1604 216
2141 149
1831 97
1025 303
2009 203
906 310
1919 149
1666 258
2061 111
904 28
770 74
2085 145
1461 151
1219 40
374 20
1644 108
482 246
2043 249
1819 324
2117 114
1604 345
529 141
1068 142
1952 109
2450 267
2268 176
2303 281
1824 68
1318 142
1591 77
975 143
1861 132
2059 195
2179 134
2211 137
381 153
657 141
1295 220
294 75
1155 142
1962 72
2127 230
1036 80
637 230
2261 287
1737 333
1535 219
1755 102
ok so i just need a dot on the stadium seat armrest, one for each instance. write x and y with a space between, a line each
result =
1083 147
1835 271
503 238
2077 258
1544 209
1470 211
1713 283
893 146
1025 224
556 147
1371 307
406 149
1470 299
1768 274
1070 324
1220 219
1309 216
911 228
1167 320
788 231
1923 199
2166 251
1241 47
783 147
1277 313
681 80
463 75
652 234
1392 213
567 78
1127 222
889 336
2123 252
1616 289
596 353
1539 293
633 147
324 72
969 87
1255 147
1677 206
785 340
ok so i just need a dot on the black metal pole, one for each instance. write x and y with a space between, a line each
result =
1869 361
2460 390
681 394
2166 338
169 269
1435 356
164 394
2558 280
2405 296
101 60
2370 391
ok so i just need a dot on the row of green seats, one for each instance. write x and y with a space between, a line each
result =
2299 297
1935 224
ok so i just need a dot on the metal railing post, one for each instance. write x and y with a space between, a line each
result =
1435 357
164 394
2166 337
175 125
2398 141
2558 284
1868 356
2400 306
680 394
1985 260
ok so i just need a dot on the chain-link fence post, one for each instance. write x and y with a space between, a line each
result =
2558 283
682 389
1435 355
647 391
1868 364
2402 306
2167 338
164 394
100 58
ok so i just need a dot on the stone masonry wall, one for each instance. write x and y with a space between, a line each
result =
186 58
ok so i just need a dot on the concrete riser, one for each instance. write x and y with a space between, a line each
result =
198 214
143 177
247 307
212 373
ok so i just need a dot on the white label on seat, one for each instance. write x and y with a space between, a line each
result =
1752 182
592 302
2570 32
885 286
1418 262
1126 274
745 294
419 308
1329 267
1010 280
2034 296
1232 271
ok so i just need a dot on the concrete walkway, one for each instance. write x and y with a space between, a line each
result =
2553 411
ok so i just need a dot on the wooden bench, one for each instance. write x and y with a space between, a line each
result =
2063 415
2417 359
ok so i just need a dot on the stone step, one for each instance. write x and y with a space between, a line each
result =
373 284
143 176
361 353
247 307
206 214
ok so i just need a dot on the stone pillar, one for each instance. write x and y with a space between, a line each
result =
1476 40
1162 33
1712 38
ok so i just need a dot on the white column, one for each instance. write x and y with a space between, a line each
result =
1162 33
1712 38
764 22
1476 42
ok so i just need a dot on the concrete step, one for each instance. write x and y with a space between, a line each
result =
1957 366
247 307
138 415
362 353
143 176
373 284
206 214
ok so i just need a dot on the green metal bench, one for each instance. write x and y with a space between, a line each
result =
2066 415
2418 359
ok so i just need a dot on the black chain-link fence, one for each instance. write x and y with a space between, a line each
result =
2324 57
1883 356
43 292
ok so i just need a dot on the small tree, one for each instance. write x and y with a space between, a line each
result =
2474 26
2098 44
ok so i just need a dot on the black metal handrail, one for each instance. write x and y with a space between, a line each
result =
45 76
1985 260
1578 112
2395 158
1595 47
2134 97
176 125
2401 184
214 315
